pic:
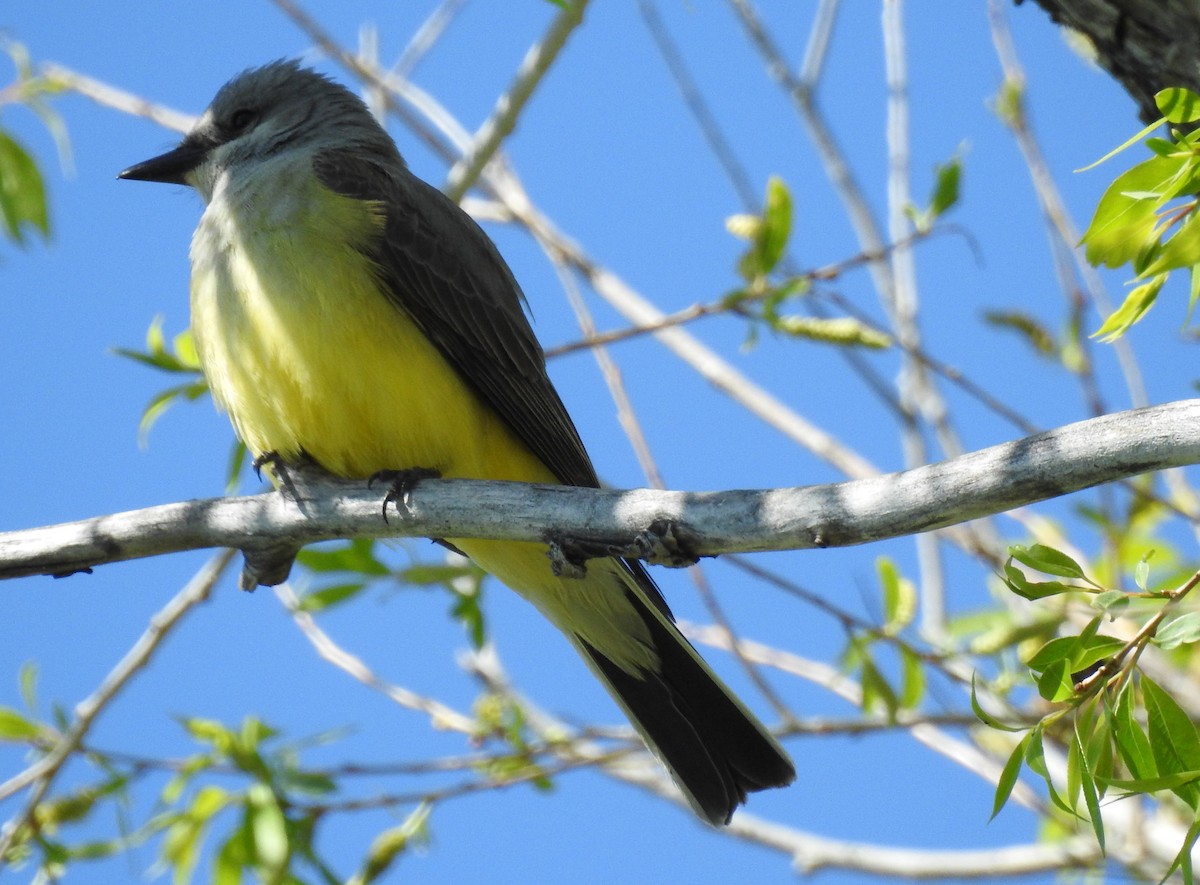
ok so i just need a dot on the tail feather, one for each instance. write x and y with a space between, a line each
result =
714 748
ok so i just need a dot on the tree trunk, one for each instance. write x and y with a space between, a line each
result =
1147 45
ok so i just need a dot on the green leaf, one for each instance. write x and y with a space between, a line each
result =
768 234
391 843
1047 560
1182 630
180 358
1008 777
1193 295
435 575
912 686
1060 648
163 400
1178 105
876 691
1111 602
1101 751
1133 308
1055 683
15 727
1087 784
1183 860
1155 784
1036 335
467 610
1094 650
209 800
27 680
22 192
230 860
1124 226
1162 146
777 225
1141 572
211 732
1060 661
843 331
181 847
1035 758
987 718
1022 586
268 828
1181 250
945 190
1128 143
1132 743
899 596
328 597
308 782
1173 739
356 556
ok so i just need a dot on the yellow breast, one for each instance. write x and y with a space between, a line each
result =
305 353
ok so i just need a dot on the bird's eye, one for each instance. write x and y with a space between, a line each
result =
241 119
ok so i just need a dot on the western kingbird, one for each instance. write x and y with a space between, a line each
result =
347 312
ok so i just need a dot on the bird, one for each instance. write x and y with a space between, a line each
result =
347 313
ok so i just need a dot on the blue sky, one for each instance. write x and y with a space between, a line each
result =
608 151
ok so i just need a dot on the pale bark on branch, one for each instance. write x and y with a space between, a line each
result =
671 528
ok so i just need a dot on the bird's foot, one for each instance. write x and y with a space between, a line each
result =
400 484
270 459
662 543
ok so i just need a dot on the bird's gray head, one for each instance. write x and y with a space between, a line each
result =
265 113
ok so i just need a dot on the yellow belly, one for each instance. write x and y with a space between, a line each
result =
307 355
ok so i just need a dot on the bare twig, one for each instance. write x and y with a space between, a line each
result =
440 716
118 99
509 106
43 772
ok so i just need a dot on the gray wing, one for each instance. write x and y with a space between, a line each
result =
440 268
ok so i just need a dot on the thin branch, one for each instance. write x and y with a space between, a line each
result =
811 853
43 772
440 716
803 96
808 851
509 106
709 365
387 87
667 527
694 99
918 396
118 99
1060 227
424 38
612 376
962 753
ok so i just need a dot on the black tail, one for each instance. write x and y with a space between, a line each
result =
714 748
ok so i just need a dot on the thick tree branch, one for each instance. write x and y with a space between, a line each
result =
671 528
1146 45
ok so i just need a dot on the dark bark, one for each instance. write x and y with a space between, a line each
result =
1147 45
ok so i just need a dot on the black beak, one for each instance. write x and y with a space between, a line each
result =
171 167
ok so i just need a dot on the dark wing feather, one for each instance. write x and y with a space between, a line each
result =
440 268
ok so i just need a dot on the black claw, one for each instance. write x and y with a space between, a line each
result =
663 543
400 484
667 544
272 458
